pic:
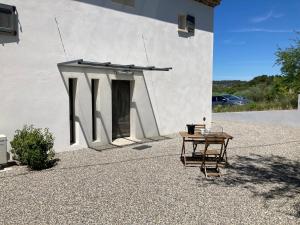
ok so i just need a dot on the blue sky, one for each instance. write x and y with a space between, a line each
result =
247 34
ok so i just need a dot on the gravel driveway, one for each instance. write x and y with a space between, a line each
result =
280 117
151 186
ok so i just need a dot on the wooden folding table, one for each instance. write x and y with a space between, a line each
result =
198 136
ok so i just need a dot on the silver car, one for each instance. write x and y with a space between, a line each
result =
234 100
219 100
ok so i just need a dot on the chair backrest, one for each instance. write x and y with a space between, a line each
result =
216 129
198 127
214 140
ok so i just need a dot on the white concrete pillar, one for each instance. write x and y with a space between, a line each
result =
299 101
3 149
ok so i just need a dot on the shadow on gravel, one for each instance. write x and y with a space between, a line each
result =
133 143
92 165
266 145
271 177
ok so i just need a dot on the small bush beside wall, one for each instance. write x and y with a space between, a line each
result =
33 147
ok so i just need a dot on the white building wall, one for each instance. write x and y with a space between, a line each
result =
33 89
298 101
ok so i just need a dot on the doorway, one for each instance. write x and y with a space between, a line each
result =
120 109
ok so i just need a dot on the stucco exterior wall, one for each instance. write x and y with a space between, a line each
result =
52 31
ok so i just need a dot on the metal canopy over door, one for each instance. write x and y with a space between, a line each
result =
120 109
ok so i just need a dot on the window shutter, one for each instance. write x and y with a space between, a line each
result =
182 23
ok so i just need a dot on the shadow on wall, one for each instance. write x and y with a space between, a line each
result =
163 10
185 34
271 177
9 38
151 108
87 136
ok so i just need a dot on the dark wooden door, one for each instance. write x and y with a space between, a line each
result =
120 109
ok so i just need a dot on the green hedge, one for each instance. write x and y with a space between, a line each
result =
255 106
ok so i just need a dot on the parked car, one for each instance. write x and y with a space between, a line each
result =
235 100
228 100
244 99
219 100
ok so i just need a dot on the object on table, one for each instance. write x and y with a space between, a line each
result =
191 128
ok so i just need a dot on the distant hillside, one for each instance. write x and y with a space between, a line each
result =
223 85
241 87
227 83
264 92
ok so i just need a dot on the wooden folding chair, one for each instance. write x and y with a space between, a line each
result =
211 157
198 128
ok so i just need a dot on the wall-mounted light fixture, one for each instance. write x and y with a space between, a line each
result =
124 72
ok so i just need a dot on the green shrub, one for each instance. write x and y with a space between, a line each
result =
33 147
294 102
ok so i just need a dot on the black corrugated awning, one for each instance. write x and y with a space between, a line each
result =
109 65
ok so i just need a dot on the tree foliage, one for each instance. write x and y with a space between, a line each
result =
289 60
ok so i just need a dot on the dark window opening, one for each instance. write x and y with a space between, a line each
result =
186 23
72 94
95 85
8 19
190 23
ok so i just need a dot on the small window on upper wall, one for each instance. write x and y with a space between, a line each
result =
8 19
125 2
182 23
186 23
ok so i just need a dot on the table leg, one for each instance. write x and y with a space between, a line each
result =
183 151
184 156
182 148
225 151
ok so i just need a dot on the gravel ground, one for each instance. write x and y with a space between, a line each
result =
279 117
151 186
